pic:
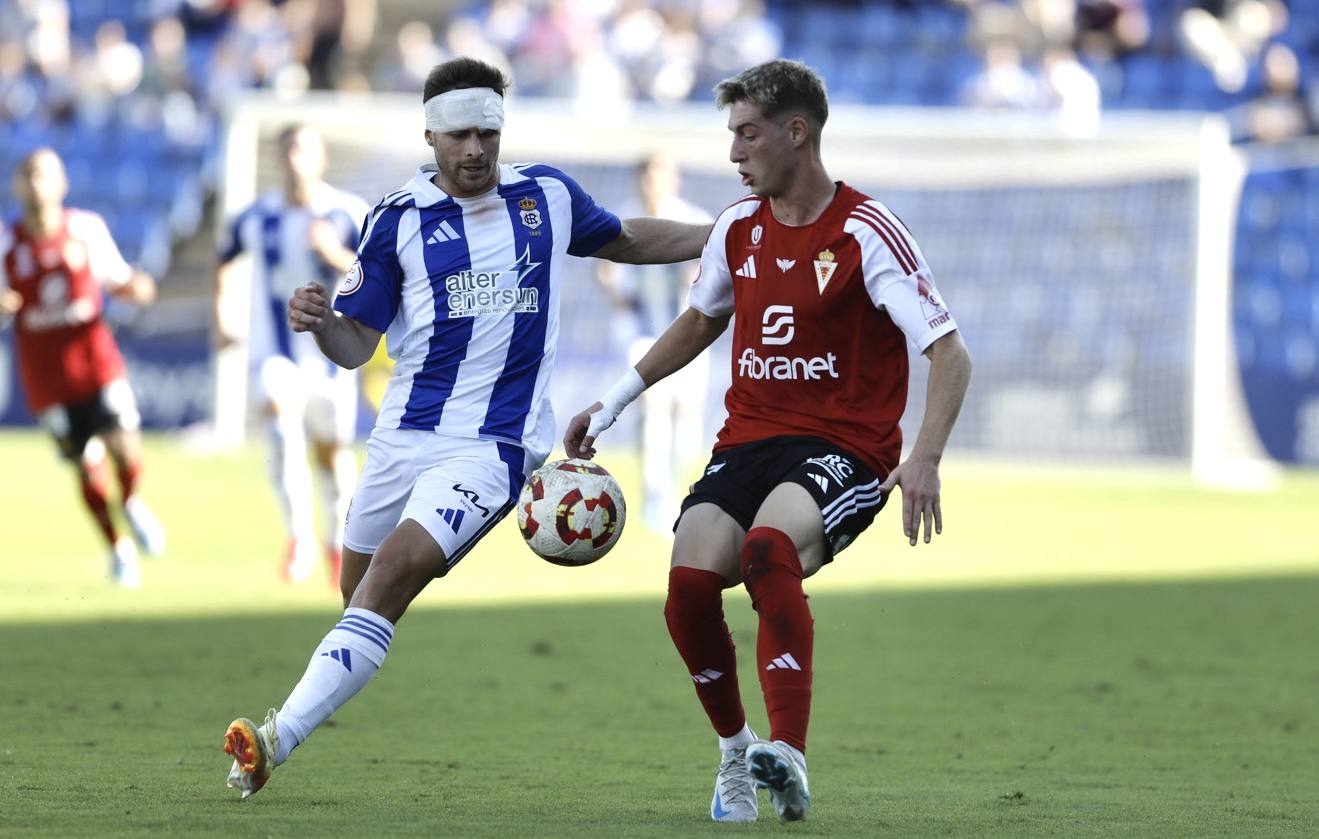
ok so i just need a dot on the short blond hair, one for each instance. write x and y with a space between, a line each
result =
779 88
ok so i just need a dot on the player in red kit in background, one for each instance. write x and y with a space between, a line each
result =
828 287
54 264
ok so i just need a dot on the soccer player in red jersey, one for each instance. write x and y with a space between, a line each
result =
54 264
828 286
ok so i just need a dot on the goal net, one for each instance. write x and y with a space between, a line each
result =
1090 276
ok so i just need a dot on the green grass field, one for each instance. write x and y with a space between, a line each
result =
1099 653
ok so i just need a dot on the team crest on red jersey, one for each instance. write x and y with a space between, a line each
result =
824 268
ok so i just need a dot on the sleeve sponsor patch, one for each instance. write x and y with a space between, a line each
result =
352 281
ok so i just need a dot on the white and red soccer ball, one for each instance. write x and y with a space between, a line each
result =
571 512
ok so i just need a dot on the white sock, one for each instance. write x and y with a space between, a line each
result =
740 740
341 666
292 479
336 486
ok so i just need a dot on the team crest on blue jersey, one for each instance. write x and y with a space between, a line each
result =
352 281
529 212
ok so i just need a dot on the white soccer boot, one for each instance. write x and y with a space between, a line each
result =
148 532
124 569
253 749
734 792
781 769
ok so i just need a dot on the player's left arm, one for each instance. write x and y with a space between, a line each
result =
900 282
918 475
336 243
646 241
121 280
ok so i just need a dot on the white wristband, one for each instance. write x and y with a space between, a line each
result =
624 391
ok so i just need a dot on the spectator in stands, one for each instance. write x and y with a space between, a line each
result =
1004 82
1281 110
1071 93
1109 29
330 36
110 72
166 66
415 53
1226 35
18 90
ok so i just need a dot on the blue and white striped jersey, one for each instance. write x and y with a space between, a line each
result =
466 291
275 235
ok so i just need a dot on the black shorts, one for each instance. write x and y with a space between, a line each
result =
738 480
73 426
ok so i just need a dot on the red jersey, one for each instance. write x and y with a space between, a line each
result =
823 313
66 353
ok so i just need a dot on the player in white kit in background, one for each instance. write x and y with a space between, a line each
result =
460 271
646 299
305 230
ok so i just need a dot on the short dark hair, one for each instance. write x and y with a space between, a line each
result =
779 87
460 73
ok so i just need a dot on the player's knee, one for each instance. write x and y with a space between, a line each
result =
765 551
694 595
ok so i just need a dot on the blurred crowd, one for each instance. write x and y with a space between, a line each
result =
1252 59
133 89
169 65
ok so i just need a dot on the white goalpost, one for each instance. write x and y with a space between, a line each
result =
1090 275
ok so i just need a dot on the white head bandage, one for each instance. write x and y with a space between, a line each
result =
468 107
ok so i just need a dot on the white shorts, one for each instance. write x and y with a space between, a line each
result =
327 401
456 488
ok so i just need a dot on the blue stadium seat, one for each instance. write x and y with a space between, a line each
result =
1147 81
880 24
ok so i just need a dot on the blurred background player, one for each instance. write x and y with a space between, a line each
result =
305 231
827 286
54 264
646 299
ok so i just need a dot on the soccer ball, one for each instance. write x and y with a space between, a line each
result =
571 512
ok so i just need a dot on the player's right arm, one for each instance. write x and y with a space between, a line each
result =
710 305
342 339
687 337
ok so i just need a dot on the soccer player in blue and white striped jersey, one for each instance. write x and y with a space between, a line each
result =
460 270
302 230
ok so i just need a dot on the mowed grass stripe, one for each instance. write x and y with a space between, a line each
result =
1181 709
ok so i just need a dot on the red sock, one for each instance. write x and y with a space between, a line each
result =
784 646
695 614
128 472
96 495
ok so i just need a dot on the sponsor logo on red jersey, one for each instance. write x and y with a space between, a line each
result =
778 327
